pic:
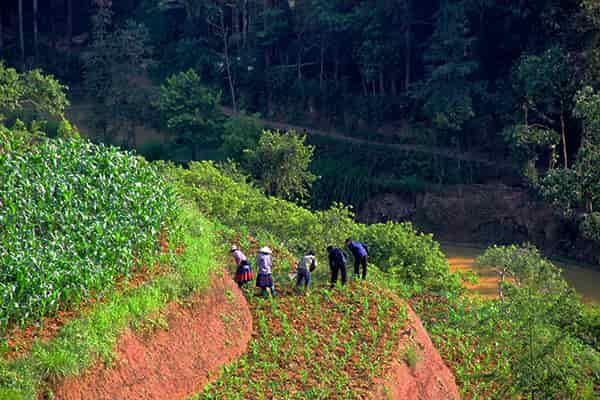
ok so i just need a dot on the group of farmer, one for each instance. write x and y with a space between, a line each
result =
305 266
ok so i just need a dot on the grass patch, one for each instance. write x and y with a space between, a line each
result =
81 342
332 344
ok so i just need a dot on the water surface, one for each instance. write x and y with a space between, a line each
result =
462 257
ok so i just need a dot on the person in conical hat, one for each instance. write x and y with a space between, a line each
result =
243 272
264 280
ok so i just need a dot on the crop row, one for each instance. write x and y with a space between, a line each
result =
74 217
332 345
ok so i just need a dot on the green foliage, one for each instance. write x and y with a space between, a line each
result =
559 188
536 341
450 89
525 267
115 66
30 90
241 132
587 108
80 343
281 163
579 186
413 258
590 226
189 109
75 217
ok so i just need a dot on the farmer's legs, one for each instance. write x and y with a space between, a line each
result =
363 261
334 274
356 266
307 280
299 278
344 277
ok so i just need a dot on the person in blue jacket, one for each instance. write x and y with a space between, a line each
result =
361 256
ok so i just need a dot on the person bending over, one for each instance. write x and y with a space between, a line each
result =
337 263
306 265
361 256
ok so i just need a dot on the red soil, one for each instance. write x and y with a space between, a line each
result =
430 379
174 363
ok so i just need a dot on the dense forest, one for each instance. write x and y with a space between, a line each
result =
512 80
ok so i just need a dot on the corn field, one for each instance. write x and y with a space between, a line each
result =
74 217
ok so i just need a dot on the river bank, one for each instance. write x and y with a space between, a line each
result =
461 257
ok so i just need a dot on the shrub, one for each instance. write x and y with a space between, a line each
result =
413 257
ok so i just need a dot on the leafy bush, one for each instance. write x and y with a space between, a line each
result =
413 257
74 217
590 226
281 162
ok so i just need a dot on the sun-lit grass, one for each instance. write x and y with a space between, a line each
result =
81 342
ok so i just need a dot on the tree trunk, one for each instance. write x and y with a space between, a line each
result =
322 66
21 35
1 33
70 22
228 64
235 20
408 48
36 48
244 22
563 133
268 63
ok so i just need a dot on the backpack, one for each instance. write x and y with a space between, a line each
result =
313 265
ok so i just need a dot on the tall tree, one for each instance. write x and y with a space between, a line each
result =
545 85
69 22
36 48
451 86
190 110
21 34
216 19
281 162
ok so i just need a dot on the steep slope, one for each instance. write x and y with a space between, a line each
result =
173 363
421 373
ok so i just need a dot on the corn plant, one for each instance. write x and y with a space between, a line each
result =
74 218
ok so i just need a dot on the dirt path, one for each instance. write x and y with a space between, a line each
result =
431 150
177 362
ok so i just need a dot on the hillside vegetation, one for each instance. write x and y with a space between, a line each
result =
74 218
539 341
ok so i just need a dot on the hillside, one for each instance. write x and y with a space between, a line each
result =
174 306
119 323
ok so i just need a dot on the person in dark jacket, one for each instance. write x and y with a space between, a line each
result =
361 256
337 263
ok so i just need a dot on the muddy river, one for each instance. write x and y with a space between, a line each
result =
462 258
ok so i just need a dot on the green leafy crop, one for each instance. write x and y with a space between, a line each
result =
74 217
